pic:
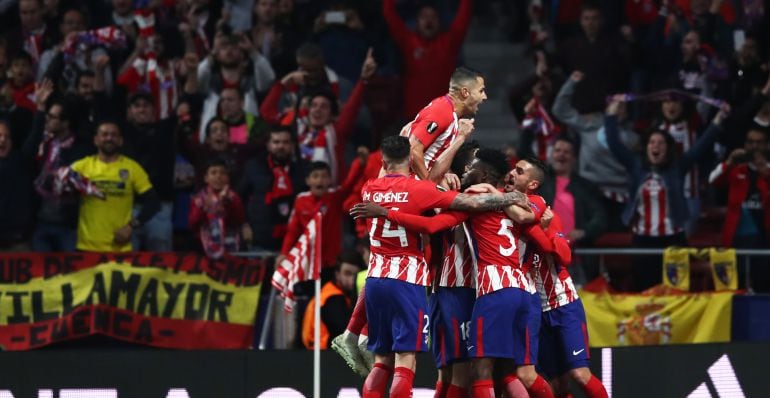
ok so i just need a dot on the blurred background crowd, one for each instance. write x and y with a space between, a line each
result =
180 125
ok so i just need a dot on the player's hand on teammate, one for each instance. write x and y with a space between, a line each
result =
466 127
451 182
545 219
370 65
368 210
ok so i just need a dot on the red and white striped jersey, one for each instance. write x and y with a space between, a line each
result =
552 280
497 256
652 213
538 206
457 268
396 251
436 127
684 137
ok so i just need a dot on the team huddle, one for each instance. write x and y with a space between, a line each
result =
502 309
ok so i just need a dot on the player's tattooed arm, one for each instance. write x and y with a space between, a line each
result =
487 201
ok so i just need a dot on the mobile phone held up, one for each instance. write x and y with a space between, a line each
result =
334 17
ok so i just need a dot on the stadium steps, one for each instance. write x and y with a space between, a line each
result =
504 64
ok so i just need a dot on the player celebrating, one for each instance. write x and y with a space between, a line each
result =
436 134
499 312
436 126
396 304
564 351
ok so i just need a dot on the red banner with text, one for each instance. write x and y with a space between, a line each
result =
170 300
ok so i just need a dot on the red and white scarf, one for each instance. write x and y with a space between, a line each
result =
545 128
215 237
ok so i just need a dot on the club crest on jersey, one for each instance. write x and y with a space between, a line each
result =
123 174
432 126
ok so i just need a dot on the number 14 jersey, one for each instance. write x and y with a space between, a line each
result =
396 251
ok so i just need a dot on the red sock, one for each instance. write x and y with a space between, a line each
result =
358 319
513 387
402 383
595 389
456 392
483 389
441 390
377 381
364 330
540 389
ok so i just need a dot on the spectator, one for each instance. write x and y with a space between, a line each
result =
430 56
15 195
150 69
244 128
604 60
217 214
657 212
216 145
63 69
54 144
19 119
275 39
150 142
340 32
747 223
329 201
336 302
596 164
107 225
21 82
234 62
679 119
270 183
323 136
33 36
576 200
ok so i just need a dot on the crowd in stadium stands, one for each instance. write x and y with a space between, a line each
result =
223 126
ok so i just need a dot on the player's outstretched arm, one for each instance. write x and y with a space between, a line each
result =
412 222
519 212
487 201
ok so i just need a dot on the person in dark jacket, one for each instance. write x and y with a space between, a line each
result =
15 195
54 144
269 185
657 212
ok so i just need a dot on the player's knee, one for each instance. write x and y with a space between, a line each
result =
461 374
581 375
482 369
526 374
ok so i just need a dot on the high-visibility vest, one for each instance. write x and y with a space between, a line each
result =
308 321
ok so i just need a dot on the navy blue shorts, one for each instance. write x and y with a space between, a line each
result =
502 326
450 321
397 315
565 340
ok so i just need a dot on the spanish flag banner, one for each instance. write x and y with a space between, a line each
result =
669 318
724 269
676 267
170 300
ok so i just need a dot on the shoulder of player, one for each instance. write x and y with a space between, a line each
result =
537 202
